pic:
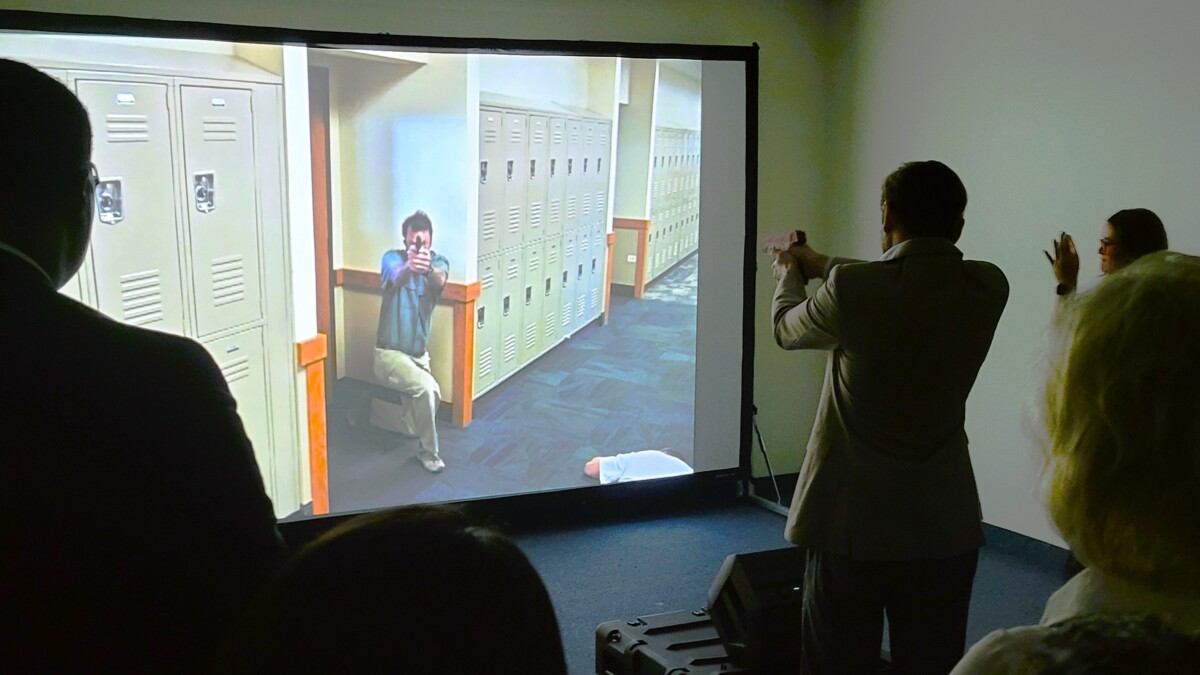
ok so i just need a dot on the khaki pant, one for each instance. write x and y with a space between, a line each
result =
410 376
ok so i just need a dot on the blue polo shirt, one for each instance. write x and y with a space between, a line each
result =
406 312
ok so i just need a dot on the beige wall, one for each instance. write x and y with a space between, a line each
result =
790 171
1055 115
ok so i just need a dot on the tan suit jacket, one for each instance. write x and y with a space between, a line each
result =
887 475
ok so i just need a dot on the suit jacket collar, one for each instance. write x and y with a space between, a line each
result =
922 246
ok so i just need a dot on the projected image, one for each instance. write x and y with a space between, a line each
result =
504 251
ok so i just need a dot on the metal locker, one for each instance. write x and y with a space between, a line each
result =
491 180
74 286
538 174
603 150
135 242
567 282
242 359
512 282
532 293
587 176
516 179
598 265
222 208
487 322
574 173
556 178
583 254
551 290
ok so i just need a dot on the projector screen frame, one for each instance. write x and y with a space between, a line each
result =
620 498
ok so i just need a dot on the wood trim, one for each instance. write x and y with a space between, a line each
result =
631 223
612 239
318 115
359 280
311 356
639 269
464 360
312 350
461 293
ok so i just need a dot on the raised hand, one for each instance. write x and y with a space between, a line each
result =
1065 261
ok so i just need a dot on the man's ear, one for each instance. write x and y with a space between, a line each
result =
889 219
958 230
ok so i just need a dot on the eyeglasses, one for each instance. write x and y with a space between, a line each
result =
1108 243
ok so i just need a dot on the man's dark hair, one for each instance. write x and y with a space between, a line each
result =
418 222
45 145
1139 231
927 198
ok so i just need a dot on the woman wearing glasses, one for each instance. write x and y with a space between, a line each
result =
1128 235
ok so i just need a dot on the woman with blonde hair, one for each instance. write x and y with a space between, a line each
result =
1122 415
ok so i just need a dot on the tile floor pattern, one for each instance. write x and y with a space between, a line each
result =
628 385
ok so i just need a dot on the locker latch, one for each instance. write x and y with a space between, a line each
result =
570 165
597 165
204 187
547 287
585 161
510 169
532 169
479 317
528 295
553 166
483 167
593 265
110 203
580 271
506 304
564 282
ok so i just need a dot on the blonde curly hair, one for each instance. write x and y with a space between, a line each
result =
1122 416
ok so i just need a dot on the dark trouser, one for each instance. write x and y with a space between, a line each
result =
926 603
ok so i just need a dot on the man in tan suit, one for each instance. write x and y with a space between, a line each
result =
886 502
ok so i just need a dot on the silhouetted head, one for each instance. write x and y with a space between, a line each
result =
417 230
922 199
46 179
417 589
1128 235
1123 425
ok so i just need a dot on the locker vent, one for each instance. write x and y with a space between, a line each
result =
587 204
237 369
571 207
557 136
487 280
555 210
580 306
535 214
570 249
488 225
220 129
127 128
141 297
514 269
510 347
485 362
595 299
566 316
516 134
228 280
514 219
550 325
552 257
531 336
538 135
490 135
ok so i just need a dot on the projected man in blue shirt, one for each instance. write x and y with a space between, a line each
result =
412 279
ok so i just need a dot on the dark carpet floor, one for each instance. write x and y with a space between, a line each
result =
625 386
606 571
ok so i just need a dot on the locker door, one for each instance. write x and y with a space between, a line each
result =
551 290
242 360
603 148
539 178
567 282
531 303
511 291
487 322
222 208
587 176
574 172
516 179
74 286
557 178
135 242
598 264
583 253
491 180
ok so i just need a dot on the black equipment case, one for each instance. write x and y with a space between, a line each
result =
672 643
